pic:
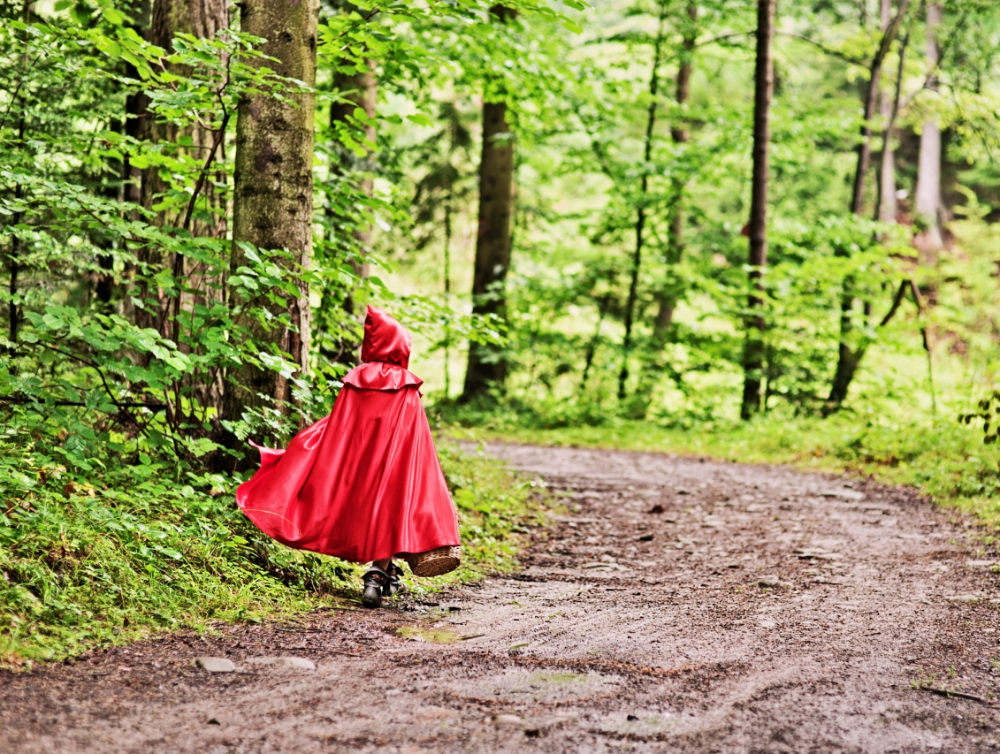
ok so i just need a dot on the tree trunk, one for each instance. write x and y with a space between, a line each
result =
887 173
487 365
849 356
680 135
273 189
640 222
928 202
753 354
203 19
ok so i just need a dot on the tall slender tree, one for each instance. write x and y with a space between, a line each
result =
199 18
849 354
487 366
640 220
360 93
887 208
273 188
928 202
753 353
359 90
680 134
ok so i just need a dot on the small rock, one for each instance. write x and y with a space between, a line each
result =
213 721
215 664
644 538
506 721
299 663
656 509
815 553
964 598
532 732
845 494
631 718
773 582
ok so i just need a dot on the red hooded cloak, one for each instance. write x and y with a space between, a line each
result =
365 482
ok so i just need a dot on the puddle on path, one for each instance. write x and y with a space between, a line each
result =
429 635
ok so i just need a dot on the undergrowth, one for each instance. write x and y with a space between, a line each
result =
87 561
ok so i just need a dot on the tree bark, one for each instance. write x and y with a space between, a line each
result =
753 354
848 355
487 366
273 189
928 202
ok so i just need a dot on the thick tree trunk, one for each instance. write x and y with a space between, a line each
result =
928 202
849 355
203 19
887 209
753 354
487 366
273 191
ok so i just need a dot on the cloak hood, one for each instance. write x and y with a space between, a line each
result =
385 339
385 355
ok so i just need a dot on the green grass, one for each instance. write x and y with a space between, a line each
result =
87 561
946 461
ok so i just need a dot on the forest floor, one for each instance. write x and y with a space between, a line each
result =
677 604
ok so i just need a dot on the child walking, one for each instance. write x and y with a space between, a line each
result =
363 484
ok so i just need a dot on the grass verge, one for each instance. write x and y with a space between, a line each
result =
948 462
146 549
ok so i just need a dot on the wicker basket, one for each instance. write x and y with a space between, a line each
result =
436 562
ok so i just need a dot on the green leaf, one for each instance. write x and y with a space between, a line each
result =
420 119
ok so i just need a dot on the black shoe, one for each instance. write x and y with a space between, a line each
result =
375 581
395 585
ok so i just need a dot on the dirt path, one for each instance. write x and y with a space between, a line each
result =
679 606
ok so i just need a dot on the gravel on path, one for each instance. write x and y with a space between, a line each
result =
677 604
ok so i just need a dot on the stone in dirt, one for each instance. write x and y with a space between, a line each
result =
215 664
844 494
506 721
773 582
815 553
298 663
964 598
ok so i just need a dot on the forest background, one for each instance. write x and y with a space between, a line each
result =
754 230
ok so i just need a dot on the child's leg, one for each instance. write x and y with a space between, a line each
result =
383 564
